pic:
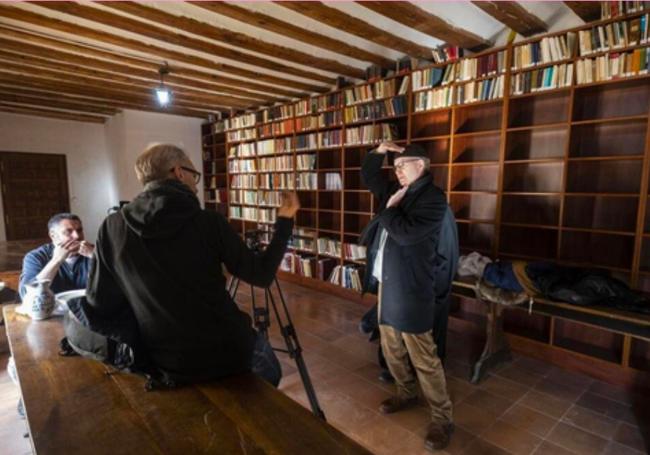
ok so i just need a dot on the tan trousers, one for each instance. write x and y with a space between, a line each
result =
398 347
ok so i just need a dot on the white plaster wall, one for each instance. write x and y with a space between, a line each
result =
130 132
100 158
90 173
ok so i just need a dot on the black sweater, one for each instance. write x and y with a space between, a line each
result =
161 259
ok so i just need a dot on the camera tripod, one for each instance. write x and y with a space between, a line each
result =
262 321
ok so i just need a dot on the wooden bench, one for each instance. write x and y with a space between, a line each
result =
497 342
75 405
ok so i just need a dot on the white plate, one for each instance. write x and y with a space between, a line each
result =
62 299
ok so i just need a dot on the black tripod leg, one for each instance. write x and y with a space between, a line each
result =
295 350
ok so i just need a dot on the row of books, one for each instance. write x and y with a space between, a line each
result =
318 104
614 35
434 99
243 197
274 113
370 134
483 66
246 181
446 54
487 89
309 122
612 66
347 276
242 135
333 181
273 146
389 107
300 265
215 195
354 252
277 181
329 247
618 8
306 162
307 181
547 50
213 182
331 118
212 167
548 78
359 94
306 142
242 150
241 121
428 78
303 239
252 213
241 166
329 139
269 198
275 129
277 163
263 116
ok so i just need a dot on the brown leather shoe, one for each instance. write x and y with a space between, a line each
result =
438 436
395 404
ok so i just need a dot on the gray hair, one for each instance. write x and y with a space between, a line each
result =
157 160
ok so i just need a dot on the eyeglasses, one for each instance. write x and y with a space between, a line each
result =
400 166
195 174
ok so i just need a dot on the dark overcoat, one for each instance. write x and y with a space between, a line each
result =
411 264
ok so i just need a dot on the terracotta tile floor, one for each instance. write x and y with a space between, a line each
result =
525 407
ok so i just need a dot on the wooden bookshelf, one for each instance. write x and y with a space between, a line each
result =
557 173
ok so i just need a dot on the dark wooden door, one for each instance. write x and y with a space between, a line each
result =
34 187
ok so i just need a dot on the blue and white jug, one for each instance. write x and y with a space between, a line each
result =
39 299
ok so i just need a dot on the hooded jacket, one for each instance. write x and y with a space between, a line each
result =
160 260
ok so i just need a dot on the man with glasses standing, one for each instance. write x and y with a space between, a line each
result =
403 264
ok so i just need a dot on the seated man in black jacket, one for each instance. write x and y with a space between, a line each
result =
160 259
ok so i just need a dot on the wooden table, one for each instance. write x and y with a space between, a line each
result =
75 405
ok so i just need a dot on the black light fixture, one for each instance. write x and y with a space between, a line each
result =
163 94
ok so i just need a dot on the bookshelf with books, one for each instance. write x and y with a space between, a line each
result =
215 193
536 172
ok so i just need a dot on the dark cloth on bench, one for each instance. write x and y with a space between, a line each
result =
574 285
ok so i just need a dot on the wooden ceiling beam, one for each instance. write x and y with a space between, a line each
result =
31 81
110 57
135 86
355 26
234 38
292 31
26 51
78 31
57 93
172 37
49 102
514 16
101 76
587 11
50 113
410 15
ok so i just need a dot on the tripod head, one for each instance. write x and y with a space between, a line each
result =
252 238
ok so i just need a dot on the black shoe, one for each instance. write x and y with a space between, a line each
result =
438 436
396 404
386 377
